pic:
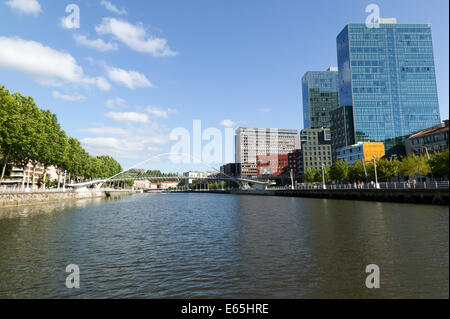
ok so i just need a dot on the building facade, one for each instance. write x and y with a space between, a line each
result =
432 140
387 75
231 169
274 165
361 151
30 175
253 142
316 148
320 96
342 129
295 161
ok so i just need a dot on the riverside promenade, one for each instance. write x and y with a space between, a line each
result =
433 193
24 198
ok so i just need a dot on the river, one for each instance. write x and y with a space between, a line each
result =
224 246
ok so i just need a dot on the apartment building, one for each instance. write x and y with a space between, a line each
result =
253 142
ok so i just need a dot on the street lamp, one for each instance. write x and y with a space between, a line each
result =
323 178
377 186
364 165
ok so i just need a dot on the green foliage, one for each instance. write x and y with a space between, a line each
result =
339 171
414 165
315 175
439 163
356 172
387 169
29 134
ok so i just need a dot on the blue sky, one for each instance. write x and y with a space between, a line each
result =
137 69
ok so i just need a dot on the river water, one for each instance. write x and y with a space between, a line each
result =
224 246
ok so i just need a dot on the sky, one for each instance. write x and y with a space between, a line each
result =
133 71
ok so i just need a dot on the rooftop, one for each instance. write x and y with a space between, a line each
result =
433 130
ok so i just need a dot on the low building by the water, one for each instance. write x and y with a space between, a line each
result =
360 151
231 169
30 175
167 185
431 140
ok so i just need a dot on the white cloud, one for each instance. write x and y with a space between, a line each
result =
98 44
127 117
111 7
135 37
265 110
116 103
46 65
67 97
131 79
25 6
158 112
228 123
136 142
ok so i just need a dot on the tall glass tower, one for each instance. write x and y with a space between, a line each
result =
320 97
387 75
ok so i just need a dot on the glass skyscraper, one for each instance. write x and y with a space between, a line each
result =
387 75
320 97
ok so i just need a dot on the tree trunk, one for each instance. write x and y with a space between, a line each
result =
59 178
5 164
45 176
64 181
28 178
23 177
34 176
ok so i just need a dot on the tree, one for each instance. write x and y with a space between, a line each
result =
339 171
439 164
356 172
387 169
414 165
10 127
309 175
31 135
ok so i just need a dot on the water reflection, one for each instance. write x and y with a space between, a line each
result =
218 246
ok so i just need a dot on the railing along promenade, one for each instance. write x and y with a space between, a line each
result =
358 186
435 192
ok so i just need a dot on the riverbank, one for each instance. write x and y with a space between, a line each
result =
409 196
37 198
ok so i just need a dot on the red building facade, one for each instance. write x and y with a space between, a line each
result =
272 164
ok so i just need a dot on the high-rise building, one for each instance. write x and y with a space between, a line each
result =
387 75
316 148
342 130
253 142
320 96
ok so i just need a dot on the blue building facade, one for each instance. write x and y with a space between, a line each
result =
320 97
387 74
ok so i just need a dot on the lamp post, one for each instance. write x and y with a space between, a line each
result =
377 186
323 178
292 179
364 166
